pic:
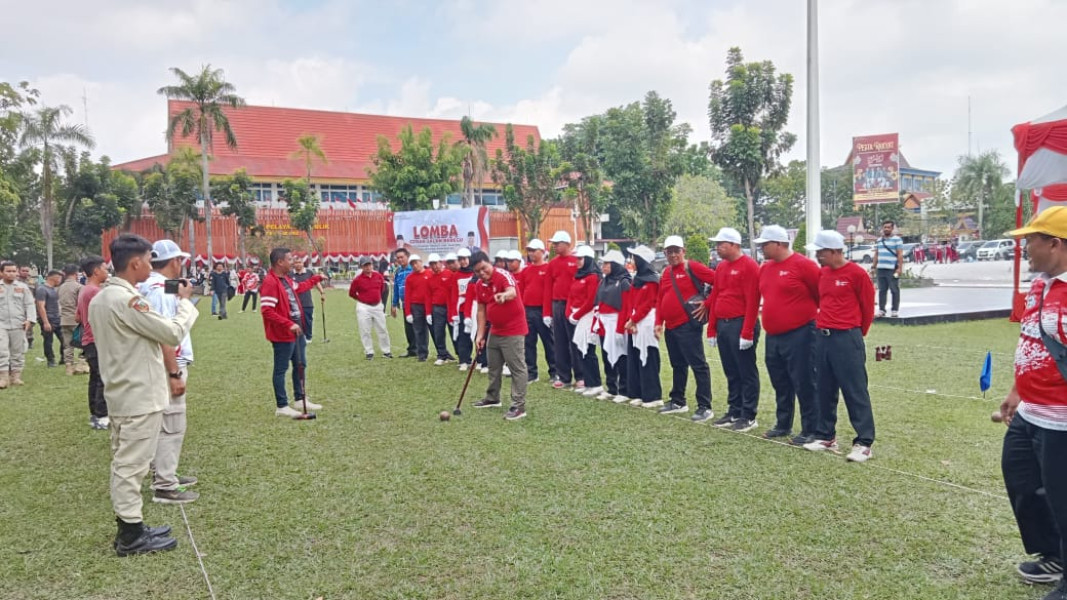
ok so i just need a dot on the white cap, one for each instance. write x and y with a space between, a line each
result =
644 252
561 236
463 253
827 239
414 257
166 250
584 251
673 241
728 234
514 255
614 256
434 257
451 256
773 233
500 254
535 244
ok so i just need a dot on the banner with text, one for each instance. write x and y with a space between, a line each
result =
875 169
441 231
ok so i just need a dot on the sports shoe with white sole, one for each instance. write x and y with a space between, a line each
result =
674 408
175 496
605 395
515 414
593 392
484 370
821 445
702 414
636 402
507 371
439 362
1045 569
743 425
653 404
894 314
104 422
287 411
725 421
463 367
299 405
859 454
620 399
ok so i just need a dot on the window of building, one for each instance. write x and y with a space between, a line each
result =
262 192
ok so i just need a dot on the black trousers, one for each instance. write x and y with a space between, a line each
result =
841 366
536 328
1035 476
590 366
685 350
464 344
254 296
439 330
739 367
482 358
568 361
642 381
888 283
409 334
422 330
48 336
97 404
615 376
789 366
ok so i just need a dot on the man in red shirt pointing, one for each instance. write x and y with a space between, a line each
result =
1035 411
789 287
368 289
733 325
846 310
499 303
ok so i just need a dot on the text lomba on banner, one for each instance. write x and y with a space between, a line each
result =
875 169
440 231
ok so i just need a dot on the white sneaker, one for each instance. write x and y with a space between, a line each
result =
307 342
620 399
860 453
636 402
821 445
653 404
605 395
286 411
484 370
593 392
880 313
895 314
463 367
299 405
104 422
438 362
507 371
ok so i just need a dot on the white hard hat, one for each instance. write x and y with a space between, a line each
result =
644 252
535 244
614 256
434 257
584 251
673 241
414 257
451 256
561 236
728 234
463 253
514 255
827 239
501 254
773 233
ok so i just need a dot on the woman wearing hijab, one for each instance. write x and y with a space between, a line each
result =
642 350
609 305
580 305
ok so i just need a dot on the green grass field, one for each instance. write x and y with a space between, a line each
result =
583 499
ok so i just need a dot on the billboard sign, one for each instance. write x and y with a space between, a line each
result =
440 231
875 169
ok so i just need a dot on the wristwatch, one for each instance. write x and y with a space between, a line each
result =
175 375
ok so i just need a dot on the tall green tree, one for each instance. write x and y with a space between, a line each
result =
171 194
45 130
581 172
210 93
699 206
416 174
748 113
303 209
528 178
475 159
235 192
977 182
783 196
310 150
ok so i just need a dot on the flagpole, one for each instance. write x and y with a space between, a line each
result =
814 188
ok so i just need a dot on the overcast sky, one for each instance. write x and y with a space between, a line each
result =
904 66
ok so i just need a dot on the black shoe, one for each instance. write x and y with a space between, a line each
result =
422 359
162 530
487 403
801 439
408 355
388 355
370 357
702 414
777 432
515 414
743 425
51 364
1046 569
673 407
725 421
135 538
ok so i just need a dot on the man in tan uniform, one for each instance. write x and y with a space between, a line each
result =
68 307
128 335
16 319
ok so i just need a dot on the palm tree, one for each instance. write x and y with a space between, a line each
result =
310 149
210 93
44 129
475 160
978 178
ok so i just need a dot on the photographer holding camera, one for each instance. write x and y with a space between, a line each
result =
160 289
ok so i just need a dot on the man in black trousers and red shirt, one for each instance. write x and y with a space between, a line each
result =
558 282
533 285
679 298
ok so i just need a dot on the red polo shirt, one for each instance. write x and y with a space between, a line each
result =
846 298
790 292
735 294
417 291
534 281
508 318
367 289
670 312
439 287
560 277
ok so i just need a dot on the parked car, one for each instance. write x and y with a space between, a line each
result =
996 250
660 262
909 256
862 254
968 251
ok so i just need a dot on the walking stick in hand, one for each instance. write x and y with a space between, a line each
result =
322 310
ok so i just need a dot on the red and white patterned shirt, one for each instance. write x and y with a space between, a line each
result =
1037 379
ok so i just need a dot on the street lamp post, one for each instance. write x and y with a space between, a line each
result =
851 240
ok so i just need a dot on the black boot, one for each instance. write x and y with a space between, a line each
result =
135 538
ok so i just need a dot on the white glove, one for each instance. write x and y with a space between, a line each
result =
468 323
572 320
713 342
429 319
409 319
547 321
745 344
455 320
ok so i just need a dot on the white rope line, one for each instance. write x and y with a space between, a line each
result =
925 393
199 557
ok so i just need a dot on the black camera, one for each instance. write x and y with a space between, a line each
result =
170 286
